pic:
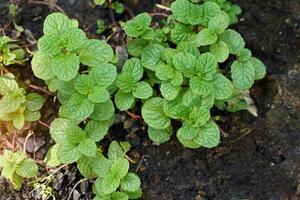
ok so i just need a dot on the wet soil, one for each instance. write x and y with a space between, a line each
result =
259 157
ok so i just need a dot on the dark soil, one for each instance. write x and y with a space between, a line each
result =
259 157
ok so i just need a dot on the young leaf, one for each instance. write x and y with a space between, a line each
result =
185 63
153 113
68 153
160 136
124 100
83 84
88 147
56 23
95 53
101 166
220 50
142 91
209 135
242 74
219 23
51 158
168 91
103 111
85 166
259 68
27 168
181 33
108 184
34 101
98 95
206 37
136 26
164 71
233 39
244 54
119 196
209 10
115 151
223 88
186 135
131 182
126 82
119 168
201 87
151 56
96 130
65 66
186 12
135 47
133 66
104 74
58 129
206 65
42 66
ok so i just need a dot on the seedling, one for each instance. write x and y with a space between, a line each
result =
10 52
16 106
16 166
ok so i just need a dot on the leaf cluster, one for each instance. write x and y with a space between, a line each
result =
10 52
16 106
16 166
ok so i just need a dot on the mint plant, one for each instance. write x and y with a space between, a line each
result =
16 106
16 166
190 74
10 52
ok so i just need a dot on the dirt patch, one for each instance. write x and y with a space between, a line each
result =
258 159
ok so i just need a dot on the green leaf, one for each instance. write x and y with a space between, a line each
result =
65 66
115 151
259 68
209 10
233 39
188 47
75 38
101 166
164 71
68 153
95 53
143 90
244 54
136 26
42 66
98 95
219 23
168 91
77 109
199 116
123 100
8 84
223 88
88 147
181 33
11 102
119 196
96 130
133 66
175 110
27 168
160 136
16 181
58 129
134 195
242 74
131 182
104 74
32 116
51 158
56 23
85 166
135 47
34 101
119 168
151 55
220 50
207 66
209 135
51 45
83 84
168 55
186 135
177 80
186 12
19 121
103 111
74 134
153 114
126 82
206 37
201 87
99 2
108 184
185 63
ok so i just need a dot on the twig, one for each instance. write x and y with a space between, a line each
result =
163 7
44 124
40 89
26 139
134 116
140 163
58 8
129 159
159 15
81 181
246 133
